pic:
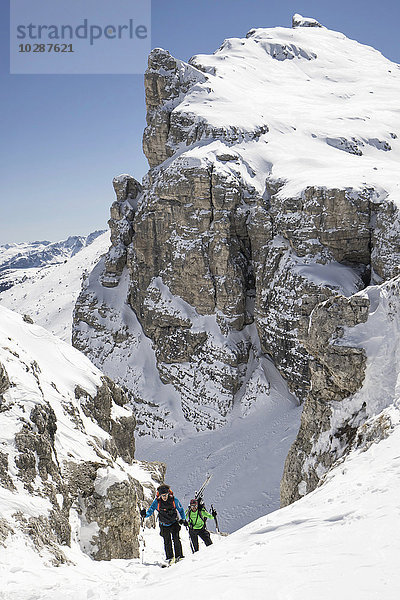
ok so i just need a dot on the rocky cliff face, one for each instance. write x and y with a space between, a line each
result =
354 372
67 469
248 222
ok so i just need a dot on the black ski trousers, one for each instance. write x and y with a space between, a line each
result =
203 534
170 534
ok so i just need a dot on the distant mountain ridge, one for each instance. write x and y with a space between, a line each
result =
48 293
17 259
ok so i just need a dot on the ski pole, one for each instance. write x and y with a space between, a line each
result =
191 543
214 514
142 543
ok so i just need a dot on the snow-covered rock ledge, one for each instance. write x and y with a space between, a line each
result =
67 470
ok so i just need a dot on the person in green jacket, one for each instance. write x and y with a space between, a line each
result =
196 517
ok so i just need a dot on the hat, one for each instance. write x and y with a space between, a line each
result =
193 501
163 489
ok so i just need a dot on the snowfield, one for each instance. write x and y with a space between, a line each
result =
49 296
322 109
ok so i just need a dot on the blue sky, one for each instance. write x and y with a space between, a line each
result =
64 137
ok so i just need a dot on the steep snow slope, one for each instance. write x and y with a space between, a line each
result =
340 541
49 293
245 459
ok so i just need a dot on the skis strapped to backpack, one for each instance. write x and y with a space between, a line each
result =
199 494
199 497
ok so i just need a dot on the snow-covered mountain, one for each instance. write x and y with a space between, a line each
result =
271 201
48 293
257 267
69 481
20 262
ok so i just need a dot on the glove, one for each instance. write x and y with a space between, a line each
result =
184 522
143 513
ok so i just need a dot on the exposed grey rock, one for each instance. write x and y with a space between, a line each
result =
288 238
118 520
42 536
111 508
127 190
4 380
35 444
341 413
337 371
99 408
85 488
372 431
299 21
166 80
5 531
5 478
385 240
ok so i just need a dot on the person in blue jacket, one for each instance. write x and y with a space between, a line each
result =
170 515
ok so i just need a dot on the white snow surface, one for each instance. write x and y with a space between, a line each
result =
331 108
245 457
49 295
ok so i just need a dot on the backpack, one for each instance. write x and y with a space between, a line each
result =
170 514
200 508
170 495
